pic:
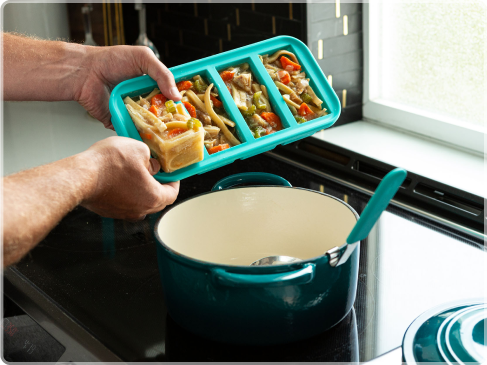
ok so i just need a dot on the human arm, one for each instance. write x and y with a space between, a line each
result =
44 70
112 178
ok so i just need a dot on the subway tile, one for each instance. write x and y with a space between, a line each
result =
339 45
347 80
289 27
200 41
256 21
222 11
276 9
342 62
334 27
322 11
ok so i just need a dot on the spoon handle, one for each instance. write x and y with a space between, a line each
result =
386 190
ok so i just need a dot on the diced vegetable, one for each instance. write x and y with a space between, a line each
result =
249 112
304 110
146 135
175 132
158 100
273 120
194 123
200 86
257 100
216 103
287 62
190 108
184 85
258 131
284 77
170 106
227 75
218 148
299 119
153 109
306 98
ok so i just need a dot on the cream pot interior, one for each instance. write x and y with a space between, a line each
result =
239 226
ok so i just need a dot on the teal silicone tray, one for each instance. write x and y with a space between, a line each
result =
209 68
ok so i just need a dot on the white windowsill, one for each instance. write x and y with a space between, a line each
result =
436 161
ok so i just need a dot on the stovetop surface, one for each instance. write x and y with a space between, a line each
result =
104 274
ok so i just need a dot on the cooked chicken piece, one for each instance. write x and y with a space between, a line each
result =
212 131
258 120
237 97
301 86
210 144
144 103
244 81
204 117
272 73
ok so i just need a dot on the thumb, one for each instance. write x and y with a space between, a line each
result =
154 166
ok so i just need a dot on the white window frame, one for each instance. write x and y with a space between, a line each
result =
402 117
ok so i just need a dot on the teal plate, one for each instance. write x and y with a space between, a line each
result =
209 69
420 340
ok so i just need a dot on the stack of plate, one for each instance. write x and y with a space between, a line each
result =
452 333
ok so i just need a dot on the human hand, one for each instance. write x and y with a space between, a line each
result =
123 186
105 67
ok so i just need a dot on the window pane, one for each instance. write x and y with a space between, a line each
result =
432 57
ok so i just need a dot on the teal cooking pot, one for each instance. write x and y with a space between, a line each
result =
207 243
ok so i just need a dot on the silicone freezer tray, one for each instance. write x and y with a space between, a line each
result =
209 68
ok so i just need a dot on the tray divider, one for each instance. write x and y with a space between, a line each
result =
243 130
276 99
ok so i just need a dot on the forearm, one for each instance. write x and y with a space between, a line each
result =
41 70
35 200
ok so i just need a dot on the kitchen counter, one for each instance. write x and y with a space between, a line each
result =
93 283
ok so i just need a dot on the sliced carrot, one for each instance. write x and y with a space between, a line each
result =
216 103
273 120
158 100
304 110
227 75
190 108
175 132
154 110
284 77
218 148
287 62
184 85
146 135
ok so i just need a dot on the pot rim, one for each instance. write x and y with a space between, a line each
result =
190 261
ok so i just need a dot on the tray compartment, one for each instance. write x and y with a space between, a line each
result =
305 66
208 75
257 77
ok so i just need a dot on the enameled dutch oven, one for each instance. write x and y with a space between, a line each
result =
207 243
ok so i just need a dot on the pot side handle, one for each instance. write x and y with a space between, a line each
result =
261 178
297 277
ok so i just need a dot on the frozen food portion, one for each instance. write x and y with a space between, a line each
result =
252 100
203 102
284 69
174 137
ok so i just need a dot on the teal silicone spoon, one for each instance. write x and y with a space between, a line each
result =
386 190
384 193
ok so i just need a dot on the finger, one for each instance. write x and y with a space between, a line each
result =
154 166
166 195
165 79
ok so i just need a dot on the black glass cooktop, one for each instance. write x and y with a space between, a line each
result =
103 274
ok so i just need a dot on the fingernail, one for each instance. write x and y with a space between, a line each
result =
155 166
175 93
